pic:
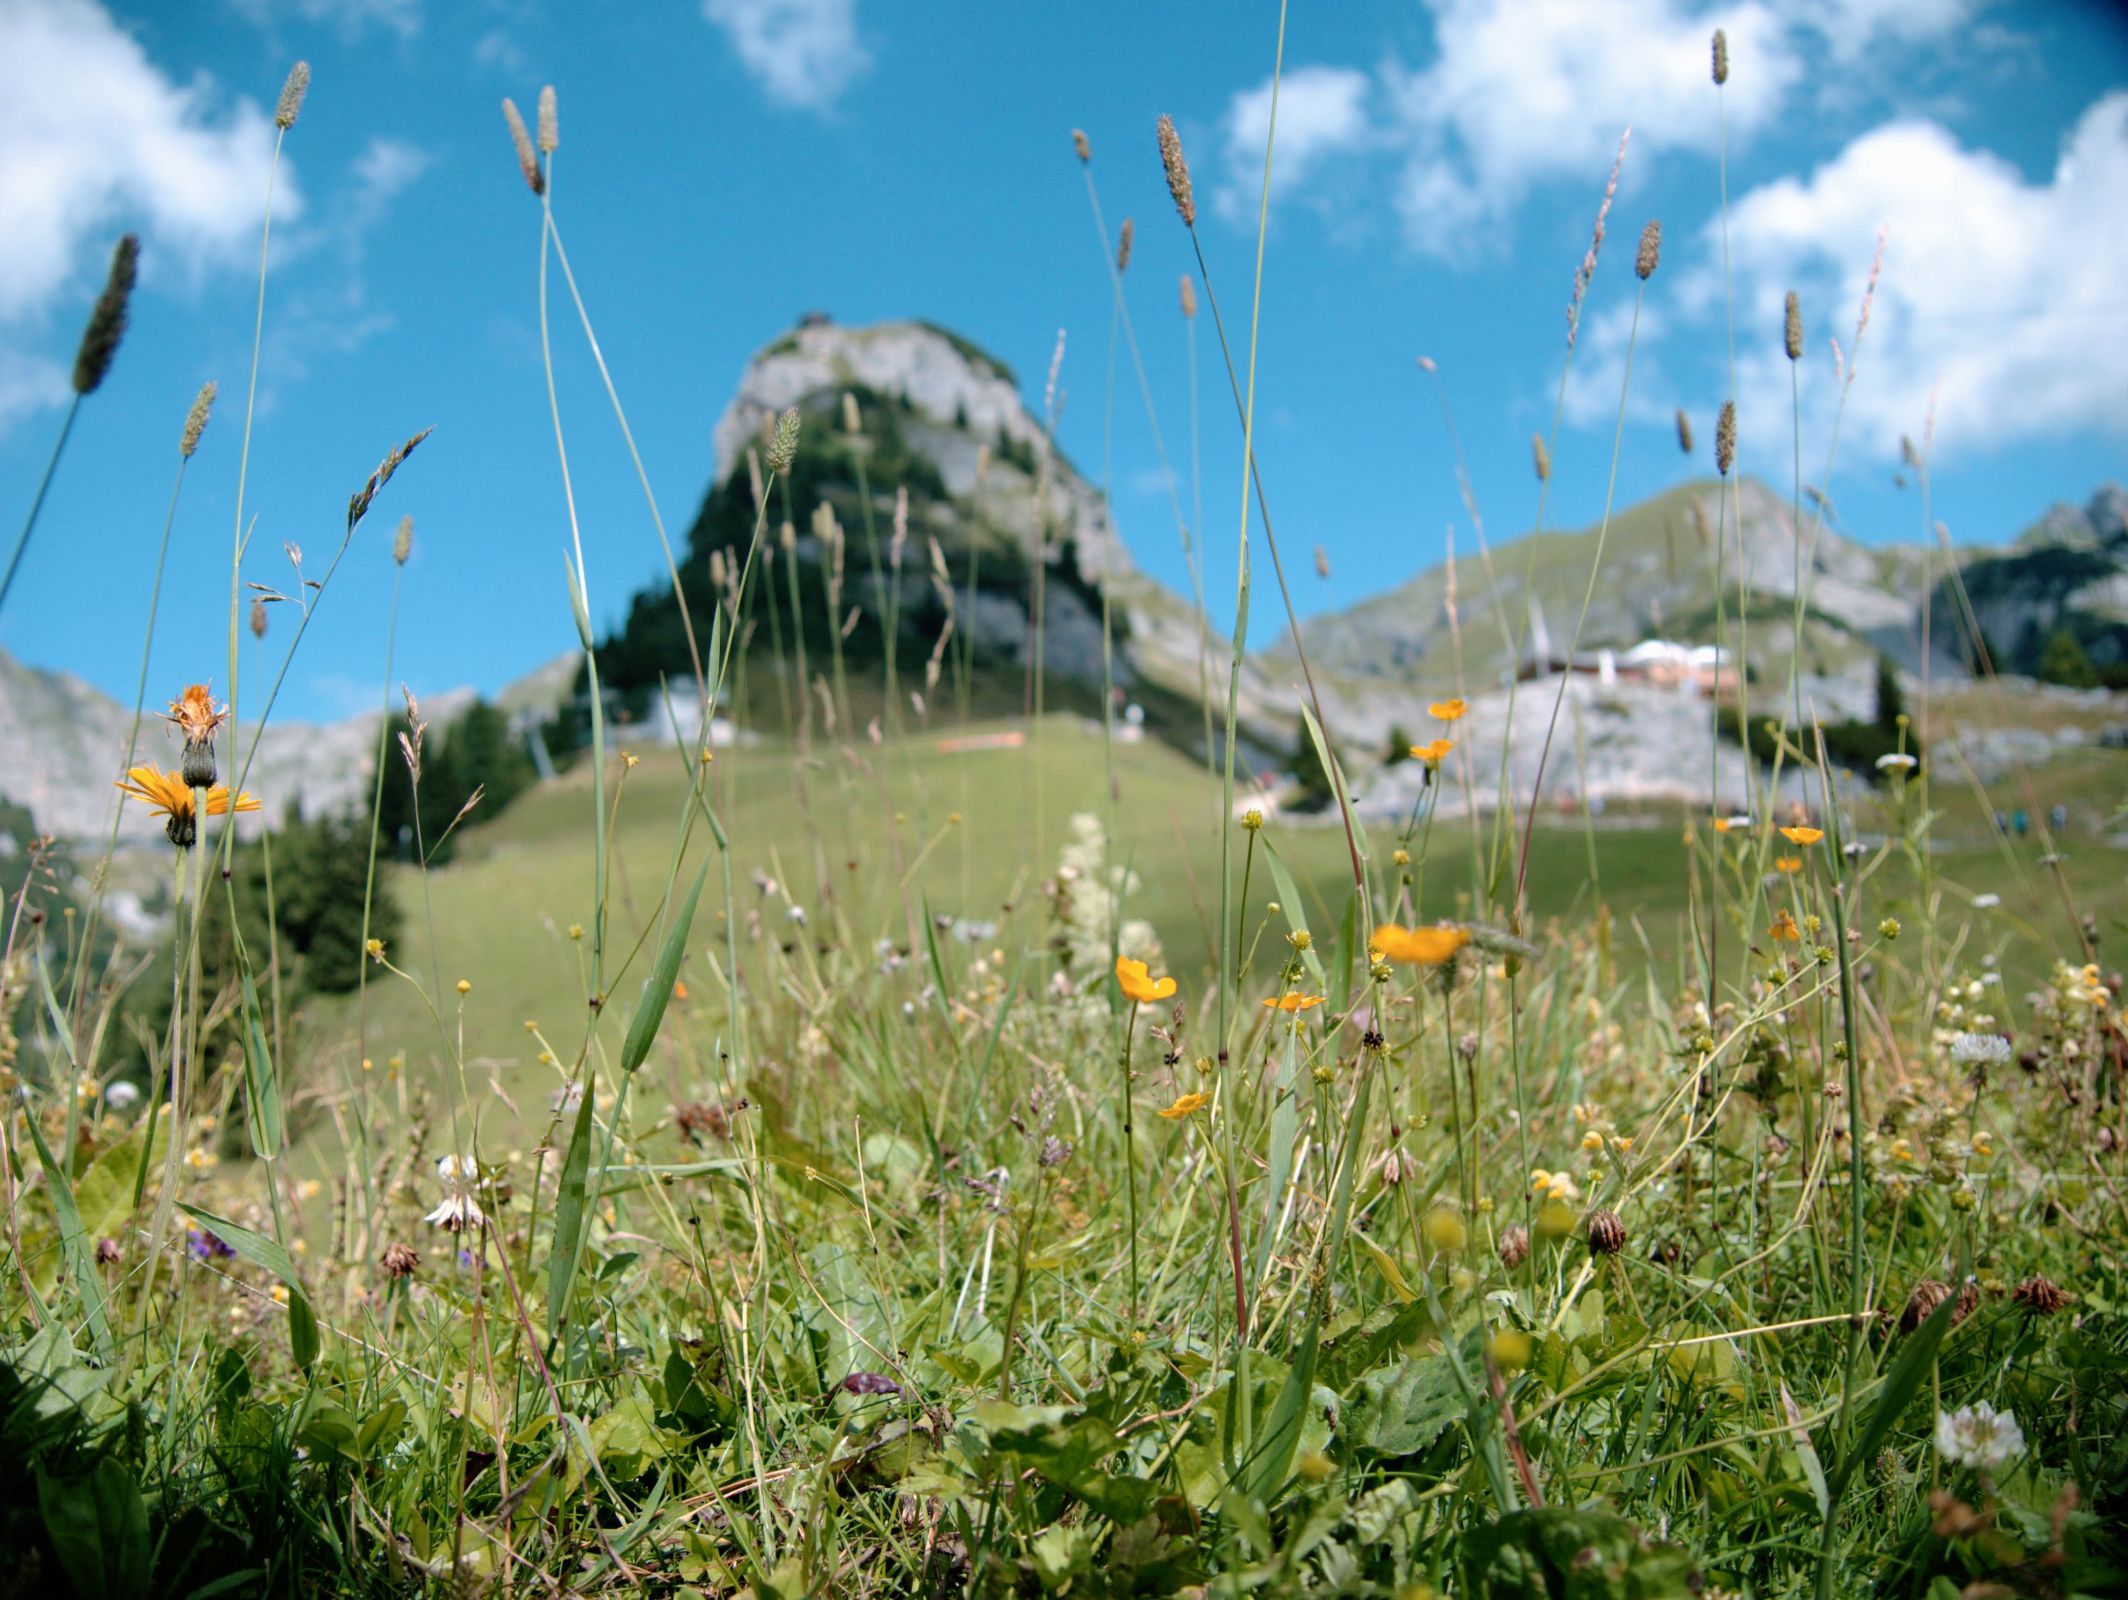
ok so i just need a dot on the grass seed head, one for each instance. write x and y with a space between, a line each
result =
1684 431
1792 327
403 541
1542 456
1178 171
1123 245
290 105
521 142
1725 438
1721 56
107 322
783 447
1189 296
1079 145
1650 251
196 420
258 616
550 122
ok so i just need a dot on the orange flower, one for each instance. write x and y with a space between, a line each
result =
1802 835
1184 1105
199 718
1140 985
1432 753
1783 927
1788 863
1446 710
196 713
1417 947
1293 1002
168 795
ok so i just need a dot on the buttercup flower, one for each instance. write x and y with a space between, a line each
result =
1802 835
168 795
1294 1002
1417 947
1446 710
1783 927
1788 864
1432 752
1184 1105
1979 1436
1139 984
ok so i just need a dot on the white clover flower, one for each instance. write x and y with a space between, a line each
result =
459 1210
1896 761
1986 902
1979 1436
122 1095
1971 1048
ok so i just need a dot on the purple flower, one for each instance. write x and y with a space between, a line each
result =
206 1247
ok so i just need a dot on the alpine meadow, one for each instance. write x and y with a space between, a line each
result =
923 1057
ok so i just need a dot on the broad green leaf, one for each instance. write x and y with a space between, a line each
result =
657 990
571 1205
263 1112
74 1243
98 1528
1402 1408
261 1251
1917 1356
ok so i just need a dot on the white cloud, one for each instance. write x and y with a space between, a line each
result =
1999 296
802 52
28 383
94 139
1523 93
1322 114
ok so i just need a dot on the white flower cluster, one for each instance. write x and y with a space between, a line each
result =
1979 1436
1089 901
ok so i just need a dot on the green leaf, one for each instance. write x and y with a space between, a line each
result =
1402 1408
261 1251
74 1243
1279 1440
263 1111
1917 1355
98 1528
657 990
571 1204
1296 914
1553 1553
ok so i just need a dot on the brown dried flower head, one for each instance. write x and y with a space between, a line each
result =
1189 296
399 1260
107 322
1084 150
521 141
1607 1233
1921 1304
1725 438
1721 56
290 105
1123 245
196 420
550 122
1684 431
1650 251
1514 1247
1178 171
2040 1296
1792 327
199 719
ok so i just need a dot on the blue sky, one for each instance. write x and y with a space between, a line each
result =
728 164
